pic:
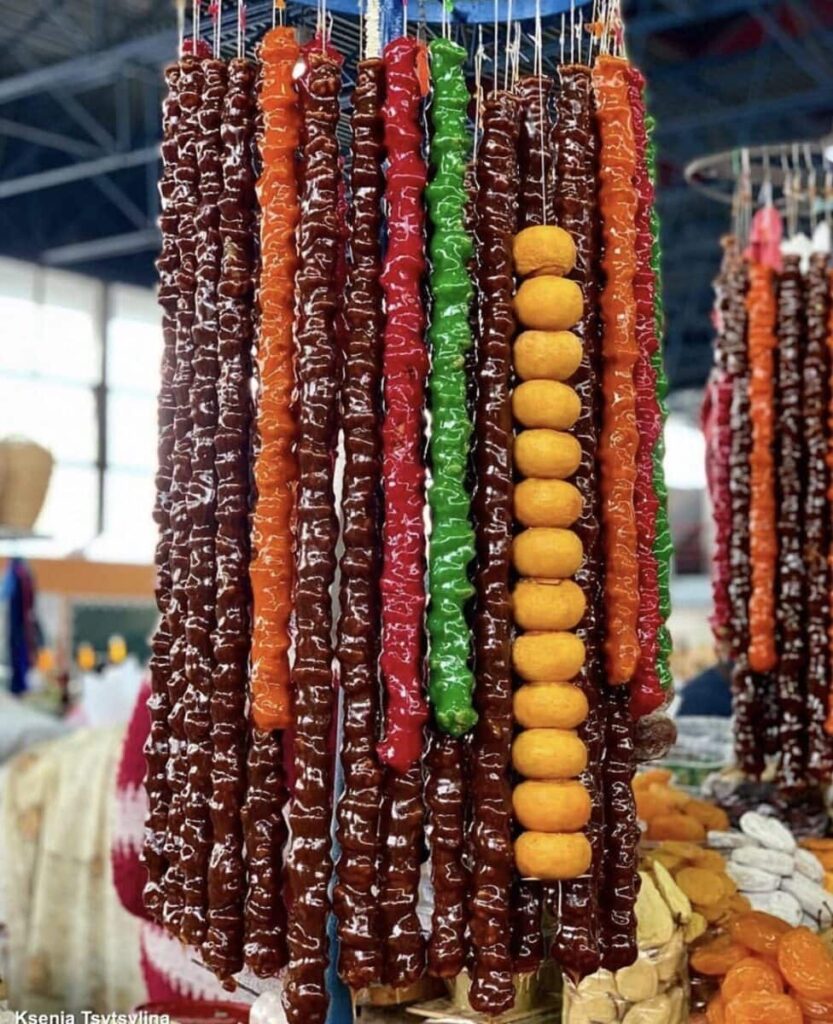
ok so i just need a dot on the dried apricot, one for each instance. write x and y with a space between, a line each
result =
716 1011
717 957
717 911
763 1008
825 858
815 1009
647 805
673 799
759 931
739 904
668 860
750 975
662 776
804 961
676 826
817 844
682 849
703 887
712 817
711 859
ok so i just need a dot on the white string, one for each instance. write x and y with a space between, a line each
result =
373 29
478 87
539 70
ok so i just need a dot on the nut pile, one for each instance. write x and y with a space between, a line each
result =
775 874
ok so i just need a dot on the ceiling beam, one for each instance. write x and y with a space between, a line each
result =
91 69
29 183
102 248
49 139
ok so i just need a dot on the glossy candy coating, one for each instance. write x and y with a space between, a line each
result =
452 537
619 439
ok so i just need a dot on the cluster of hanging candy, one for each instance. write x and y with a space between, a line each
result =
543 648
769 456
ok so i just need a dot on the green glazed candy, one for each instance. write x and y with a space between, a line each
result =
452 538
663 547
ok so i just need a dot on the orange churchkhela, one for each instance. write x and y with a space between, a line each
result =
619 439
271 569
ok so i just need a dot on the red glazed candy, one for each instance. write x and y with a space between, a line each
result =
405 366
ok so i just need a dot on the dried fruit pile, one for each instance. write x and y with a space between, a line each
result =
767 971
671 813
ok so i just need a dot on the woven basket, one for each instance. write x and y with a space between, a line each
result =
25 470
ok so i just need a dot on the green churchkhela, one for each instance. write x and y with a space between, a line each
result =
452 538
662 544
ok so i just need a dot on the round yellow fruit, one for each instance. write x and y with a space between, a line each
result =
549 706
545 551
546 453
545 403
547 503
552 857
548 657
543 249
540 604
546 355
549 303
548 805
548 754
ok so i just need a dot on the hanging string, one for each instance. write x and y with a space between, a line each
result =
538 65
508 44
562 40
479 57
241 28
216 11
373 29
572 31
180 26
497 46
404 17
195 24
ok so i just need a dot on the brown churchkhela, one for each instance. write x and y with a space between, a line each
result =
223 948
185 201
491 841
158 742
309 860
790 613
354 900
200 586
816 526
576 945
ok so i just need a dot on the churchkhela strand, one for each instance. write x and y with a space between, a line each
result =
354 898
828 725
452 537
405 367
716 423
271 570
790 612
763 542
535 207
746 684
663 545
816 527
223 946
647 694
275 468
309 859
491 854
576 942
202 498
619 438
185 200
157 745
